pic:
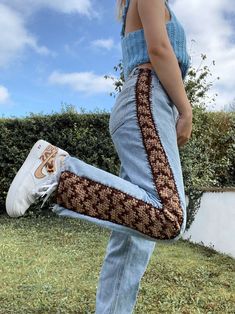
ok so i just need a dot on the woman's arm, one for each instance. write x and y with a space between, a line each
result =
161 53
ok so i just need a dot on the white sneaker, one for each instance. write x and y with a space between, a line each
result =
37 177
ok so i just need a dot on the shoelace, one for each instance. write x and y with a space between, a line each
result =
45 189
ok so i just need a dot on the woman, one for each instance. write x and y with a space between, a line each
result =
151 117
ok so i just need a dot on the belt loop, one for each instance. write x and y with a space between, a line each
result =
133 72
136 70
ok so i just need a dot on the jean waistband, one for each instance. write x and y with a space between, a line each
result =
137 70
155 79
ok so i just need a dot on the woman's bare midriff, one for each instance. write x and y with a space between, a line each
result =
148 65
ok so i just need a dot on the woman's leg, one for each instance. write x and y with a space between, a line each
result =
151 204
126 257
125 262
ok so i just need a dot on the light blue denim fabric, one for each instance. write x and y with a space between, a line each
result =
128 251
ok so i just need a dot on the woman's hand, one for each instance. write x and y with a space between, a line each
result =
184 127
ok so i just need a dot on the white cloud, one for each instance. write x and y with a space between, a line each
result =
103 43
15 37
4 95
14 14
85 82
64 6
209 23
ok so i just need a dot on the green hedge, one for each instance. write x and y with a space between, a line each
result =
85 136
207 159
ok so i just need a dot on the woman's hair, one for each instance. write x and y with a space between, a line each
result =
120 6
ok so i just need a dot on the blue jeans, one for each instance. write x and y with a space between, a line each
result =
145 203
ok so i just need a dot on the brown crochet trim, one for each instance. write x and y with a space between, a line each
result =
95 199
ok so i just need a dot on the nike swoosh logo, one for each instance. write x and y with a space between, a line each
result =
38 172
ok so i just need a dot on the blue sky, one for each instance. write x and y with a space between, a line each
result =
55 52
81 42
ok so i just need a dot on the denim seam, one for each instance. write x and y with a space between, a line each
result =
120 278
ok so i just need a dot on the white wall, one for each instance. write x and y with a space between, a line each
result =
214 223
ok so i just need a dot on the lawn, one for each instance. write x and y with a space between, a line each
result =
51 265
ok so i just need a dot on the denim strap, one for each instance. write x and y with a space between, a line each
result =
124 17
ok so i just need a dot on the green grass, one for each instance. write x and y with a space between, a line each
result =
51 265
